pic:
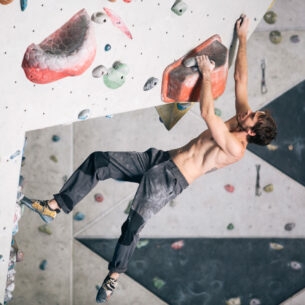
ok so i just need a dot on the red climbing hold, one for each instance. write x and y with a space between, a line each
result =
182 83
229 188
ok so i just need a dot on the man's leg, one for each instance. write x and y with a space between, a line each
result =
159 185
128 166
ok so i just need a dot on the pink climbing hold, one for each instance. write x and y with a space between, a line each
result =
229 188
177 245
99 197
117 22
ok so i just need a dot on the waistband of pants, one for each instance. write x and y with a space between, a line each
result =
176 171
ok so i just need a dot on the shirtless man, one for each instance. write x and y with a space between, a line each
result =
162 175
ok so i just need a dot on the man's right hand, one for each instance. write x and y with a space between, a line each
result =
205 65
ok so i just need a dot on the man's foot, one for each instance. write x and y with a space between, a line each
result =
106 290
41 207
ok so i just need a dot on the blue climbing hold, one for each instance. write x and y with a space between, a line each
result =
55 138
43 265
84 114
107 47
23 4
79 216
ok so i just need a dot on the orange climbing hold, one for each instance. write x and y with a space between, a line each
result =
182 82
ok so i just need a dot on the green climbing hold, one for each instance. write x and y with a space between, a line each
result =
116 76
45 229
158 283
230 226
217 112
270 17
268 188
275 37
142 243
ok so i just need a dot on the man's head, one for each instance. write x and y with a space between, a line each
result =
259 125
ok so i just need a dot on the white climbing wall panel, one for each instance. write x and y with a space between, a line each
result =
159 36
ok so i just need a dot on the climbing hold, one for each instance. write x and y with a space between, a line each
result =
128 207
179 7
142 243
127 1
272 147
117 22
69 51
190 62
276 246
15 154
295 265
98 197
295 38
107 47
99 17
183 106
99 71
230 226
150 83
79 216
55 138
177 245
229 188
268 188
53 158
109 116
158 283
270 17
116 76
217 112
289 226
275 37
255 302
290 147
23 4
233 301
45 229
43 265
84 114
119 66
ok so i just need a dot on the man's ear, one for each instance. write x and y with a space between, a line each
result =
251 132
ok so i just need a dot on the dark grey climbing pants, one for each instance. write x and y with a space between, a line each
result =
159 182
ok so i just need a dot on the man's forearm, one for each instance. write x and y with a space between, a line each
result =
241 64
206 96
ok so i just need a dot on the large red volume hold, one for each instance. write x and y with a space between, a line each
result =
69 51
183 84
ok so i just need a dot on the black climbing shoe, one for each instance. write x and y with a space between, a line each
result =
106 290
41 207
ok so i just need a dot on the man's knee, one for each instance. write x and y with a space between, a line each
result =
130 228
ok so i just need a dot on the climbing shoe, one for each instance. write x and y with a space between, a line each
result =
106 290
41 207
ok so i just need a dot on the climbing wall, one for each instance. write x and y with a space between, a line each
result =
135 42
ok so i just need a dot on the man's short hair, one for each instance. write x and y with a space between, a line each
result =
265 129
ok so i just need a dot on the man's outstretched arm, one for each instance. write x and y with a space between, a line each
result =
219 131
241 66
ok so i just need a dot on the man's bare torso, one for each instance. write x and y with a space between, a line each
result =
202 154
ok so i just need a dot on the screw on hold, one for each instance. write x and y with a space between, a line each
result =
79 216
230 226
98 197
183 106
270 17
257 184
23 4
150 83
268 188
43 265
84 114
99 71
295 38
142 243
99 17
275 37
55 138
179 7
15 154
107 47
158 283
289 226
263 82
